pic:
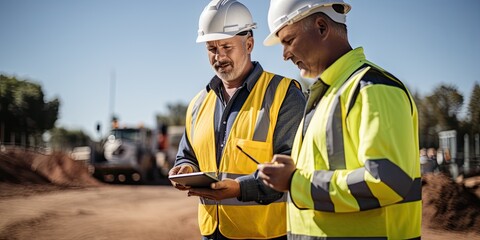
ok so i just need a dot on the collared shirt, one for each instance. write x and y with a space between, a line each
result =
252 189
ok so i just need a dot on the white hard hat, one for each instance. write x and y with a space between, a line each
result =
285 12
223 19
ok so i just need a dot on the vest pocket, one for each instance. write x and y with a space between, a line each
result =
260 151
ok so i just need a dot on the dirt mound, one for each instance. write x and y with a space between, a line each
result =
448 205
28 167
17 168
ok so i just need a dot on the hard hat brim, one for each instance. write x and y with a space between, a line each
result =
213 37
273 39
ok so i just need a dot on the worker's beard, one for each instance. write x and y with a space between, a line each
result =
229 72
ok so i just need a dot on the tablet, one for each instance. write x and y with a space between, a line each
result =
196 179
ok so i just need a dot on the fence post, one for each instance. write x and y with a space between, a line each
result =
448 142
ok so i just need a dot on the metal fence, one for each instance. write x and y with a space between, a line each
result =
462 161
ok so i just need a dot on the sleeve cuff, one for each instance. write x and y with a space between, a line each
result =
248 188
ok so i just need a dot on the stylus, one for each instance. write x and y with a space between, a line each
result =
248 155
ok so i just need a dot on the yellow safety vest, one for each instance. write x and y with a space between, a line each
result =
358 170
236 219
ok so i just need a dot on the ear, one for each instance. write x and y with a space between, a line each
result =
249 44
322 26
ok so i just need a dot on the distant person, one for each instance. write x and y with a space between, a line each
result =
162 138
423 160
244 106
443 160
432 165
354 171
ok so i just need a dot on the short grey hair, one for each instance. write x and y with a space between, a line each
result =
339 29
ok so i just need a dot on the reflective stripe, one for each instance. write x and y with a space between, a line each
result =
335 147
235 202
377 76
320 191
364 196
223 175
206 201
305 237
360 190
415 193
334 129
263 120
392 175
195 108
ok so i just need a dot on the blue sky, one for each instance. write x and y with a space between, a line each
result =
72 48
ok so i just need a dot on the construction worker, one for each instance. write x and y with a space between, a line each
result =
244 107
355 170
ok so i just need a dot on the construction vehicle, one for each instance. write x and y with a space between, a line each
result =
135 154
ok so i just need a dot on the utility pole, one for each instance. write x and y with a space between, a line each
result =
112 97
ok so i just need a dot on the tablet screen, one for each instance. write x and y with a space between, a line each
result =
196 179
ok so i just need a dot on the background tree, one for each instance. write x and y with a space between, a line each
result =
444 105
474 110
175 115
24 114
427 134
65 140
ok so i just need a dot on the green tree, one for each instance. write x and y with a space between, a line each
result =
24 114
474 110
444 105
175 115
65 140
427 134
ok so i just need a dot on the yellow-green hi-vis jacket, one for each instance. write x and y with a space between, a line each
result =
236 219
358 170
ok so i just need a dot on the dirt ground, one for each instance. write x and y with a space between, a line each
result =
53 197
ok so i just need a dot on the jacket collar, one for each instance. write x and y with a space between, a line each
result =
344 66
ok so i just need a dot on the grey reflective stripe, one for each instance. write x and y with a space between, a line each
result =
263 121
320 191
390 174
362 193
206 201
195 108
378 76
360 190
234 201
305 237
415 193
223 175
334 130
335 147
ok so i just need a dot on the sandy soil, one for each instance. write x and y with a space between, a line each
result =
111 212
60 202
